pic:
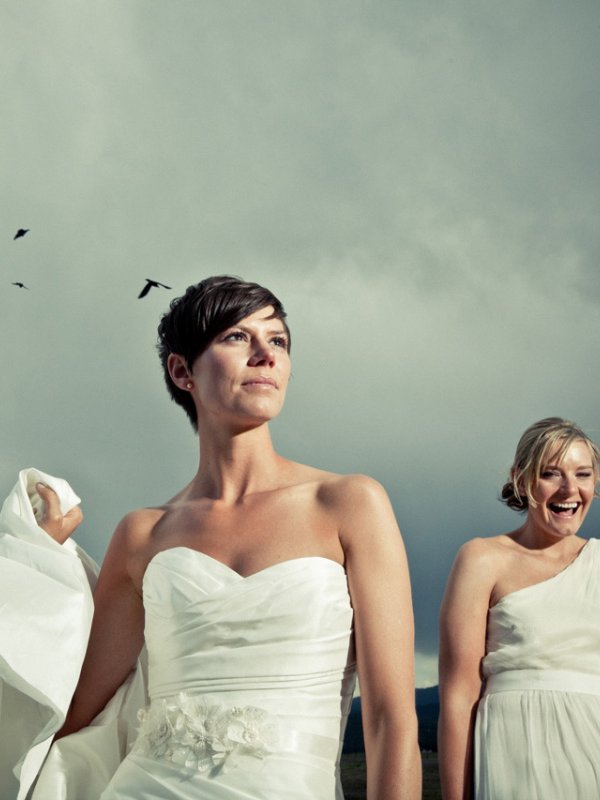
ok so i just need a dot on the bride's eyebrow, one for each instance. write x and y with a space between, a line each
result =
250 329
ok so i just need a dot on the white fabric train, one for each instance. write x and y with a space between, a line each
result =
45 615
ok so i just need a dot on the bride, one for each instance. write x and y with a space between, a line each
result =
257 590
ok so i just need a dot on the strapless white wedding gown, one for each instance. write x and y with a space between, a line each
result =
250 682
250 679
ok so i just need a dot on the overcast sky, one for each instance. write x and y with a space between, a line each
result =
419 183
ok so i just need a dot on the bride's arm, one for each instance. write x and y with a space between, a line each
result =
379 585
117 631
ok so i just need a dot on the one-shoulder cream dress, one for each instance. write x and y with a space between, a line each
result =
537 732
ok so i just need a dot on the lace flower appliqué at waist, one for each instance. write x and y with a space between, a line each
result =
202 735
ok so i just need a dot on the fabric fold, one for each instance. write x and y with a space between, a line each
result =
46 609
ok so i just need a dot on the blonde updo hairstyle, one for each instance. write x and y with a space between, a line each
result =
550 436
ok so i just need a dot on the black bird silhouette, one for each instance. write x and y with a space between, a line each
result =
20 232
20 285
149 285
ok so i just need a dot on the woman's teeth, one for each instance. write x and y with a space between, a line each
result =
563 508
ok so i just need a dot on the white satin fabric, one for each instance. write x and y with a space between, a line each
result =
256 675
250 679
46 609
45 614
538 724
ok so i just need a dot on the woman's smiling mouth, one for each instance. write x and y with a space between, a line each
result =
564 509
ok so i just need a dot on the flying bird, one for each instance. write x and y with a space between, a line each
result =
21 232
20 285
149 285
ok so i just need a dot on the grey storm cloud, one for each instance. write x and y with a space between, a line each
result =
418 183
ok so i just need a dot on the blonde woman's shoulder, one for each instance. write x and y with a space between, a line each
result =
482 560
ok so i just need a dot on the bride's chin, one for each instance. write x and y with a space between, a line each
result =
255 420
261 412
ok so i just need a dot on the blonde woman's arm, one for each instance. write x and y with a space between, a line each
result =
463 622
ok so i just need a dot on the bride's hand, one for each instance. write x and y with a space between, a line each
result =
56 524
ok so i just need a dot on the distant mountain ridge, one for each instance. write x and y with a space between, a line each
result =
428 708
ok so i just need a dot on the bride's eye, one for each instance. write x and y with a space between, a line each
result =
236 336
280 341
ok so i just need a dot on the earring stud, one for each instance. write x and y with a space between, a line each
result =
189 385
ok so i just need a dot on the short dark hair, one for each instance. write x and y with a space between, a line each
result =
203 312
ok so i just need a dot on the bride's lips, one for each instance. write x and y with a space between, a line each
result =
261 381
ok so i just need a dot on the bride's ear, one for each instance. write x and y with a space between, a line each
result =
178 371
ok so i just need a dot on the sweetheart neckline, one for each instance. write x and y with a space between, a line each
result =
234 572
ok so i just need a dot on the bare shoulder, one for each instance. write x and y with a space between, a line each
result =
348 491
476 551
477 567
336 492
130 546
486 551
135 529
363 515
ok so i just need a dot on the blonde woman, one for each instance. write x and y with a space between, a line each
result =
520 636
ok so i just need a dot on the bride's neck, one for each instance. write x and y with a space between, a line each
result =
234 465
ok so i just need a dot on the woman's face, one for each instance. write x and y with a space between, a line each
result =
564 492
242 375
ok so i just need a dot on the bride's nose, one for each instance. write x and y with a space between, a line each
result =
263 353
